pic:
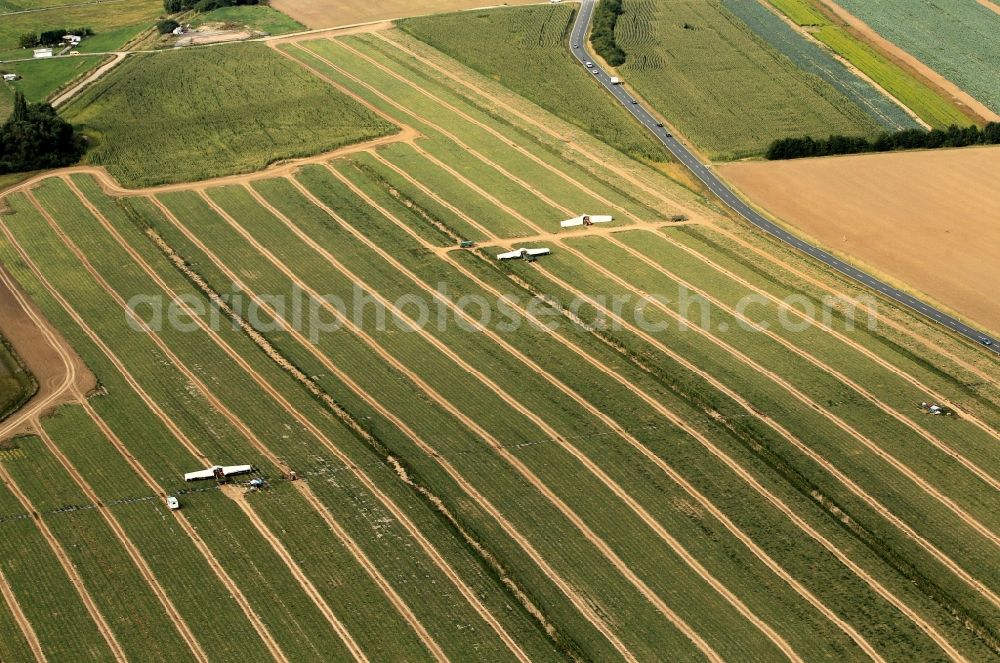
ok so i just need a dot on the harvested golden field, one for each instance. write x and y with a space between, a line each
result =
928 219
330 13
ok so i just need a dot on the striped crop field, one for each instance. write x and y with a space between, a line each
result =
960 40
813 58
928 103
666 439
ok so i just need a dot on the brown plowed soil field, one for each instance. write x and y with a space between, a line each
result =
316 14
928 219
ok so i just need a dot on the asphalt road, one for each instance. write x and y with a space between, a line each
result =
580 48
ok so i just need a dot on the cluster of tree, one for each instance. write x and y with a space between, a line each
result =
166 25
910 139
50 37
35 137
602 34
174 6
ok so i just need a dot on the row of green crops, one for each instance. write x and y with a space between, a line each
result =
728 90
816 60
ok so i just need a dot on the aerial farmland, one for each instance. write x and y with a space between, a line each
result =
442 338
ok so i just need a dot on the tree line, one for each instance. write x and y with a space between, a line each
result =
908 139
602 32
174 6
50 37
35 137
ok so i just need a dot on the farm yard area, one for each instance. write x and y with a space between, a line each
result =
683 474
929 219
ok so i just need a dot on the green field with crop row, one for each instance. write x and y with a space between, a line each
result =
813 59
724 87
203 101
959 40
522 492
524 48
927 103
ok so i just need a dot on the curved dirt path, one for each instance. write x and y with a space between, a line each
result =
910 62
751 411
605 419
133 552
22 620
257 444
473 426
67 566
56 367
111 186
578 602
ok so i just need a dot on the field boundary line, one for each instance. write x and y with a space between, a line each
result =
141 471
147 573
578 602
67 566
490 130
23 623
524 117
784 264
255 441
525 471
936 442
413 377
611 424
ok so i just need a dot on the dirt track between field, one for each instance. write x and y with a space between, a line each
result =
754 412
10 600
900 56
929 218
58 370
258 445
750 409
